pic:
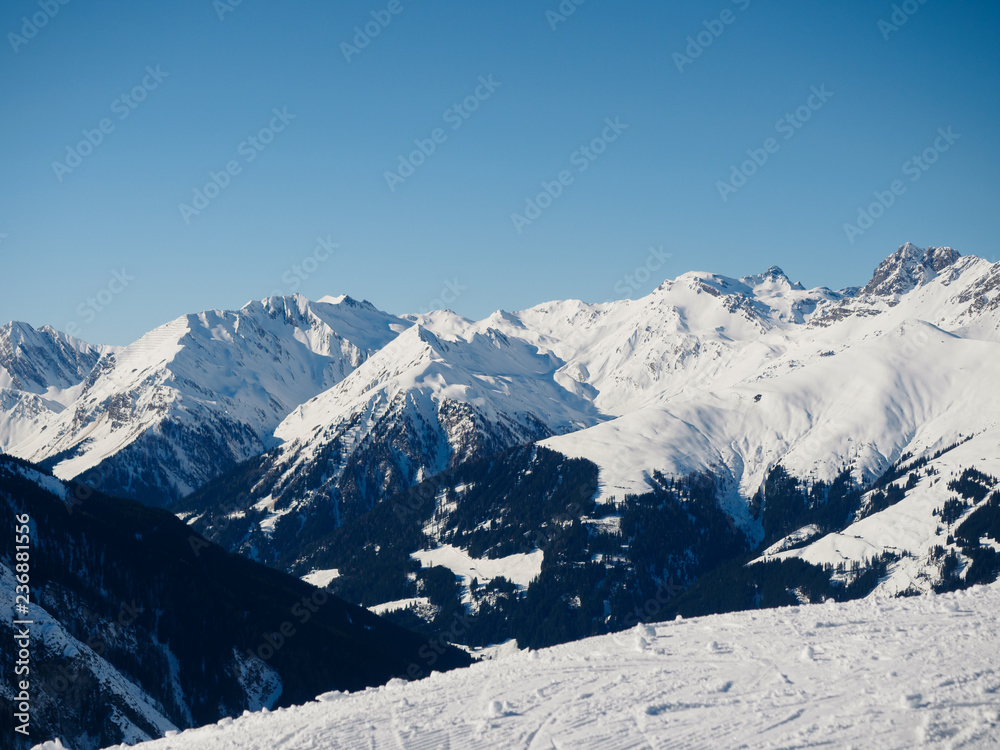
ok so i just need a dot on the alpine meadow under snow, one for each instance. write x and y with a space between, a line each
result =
569 471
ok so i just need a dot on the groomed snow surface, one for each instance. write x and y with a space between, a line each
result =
877 673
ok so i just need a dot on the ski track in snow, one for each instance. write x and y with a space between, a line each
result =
887 673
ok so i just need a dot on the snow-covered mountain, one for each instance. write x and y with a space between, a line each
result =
905 365
333 407
422 404
192 398
707 371
41 373
905 673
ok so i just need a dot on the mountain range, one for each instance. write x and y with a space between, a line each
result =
566 470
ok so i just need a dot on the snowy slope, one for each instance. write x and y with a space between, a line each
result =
908 363
901 673
688 333
909 527
520 569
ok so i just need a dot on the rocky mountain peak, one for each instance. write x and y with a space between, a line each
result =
908 268
773 275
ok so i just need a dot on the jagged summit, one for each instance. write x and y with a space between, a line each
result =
39 359
908 268
773 276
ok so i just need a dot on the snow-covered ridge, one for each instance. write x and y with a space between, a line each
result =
417 406
706 372
195 395
854 382
902 673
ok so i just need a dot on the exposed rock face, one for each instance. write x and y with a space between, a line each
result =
908 268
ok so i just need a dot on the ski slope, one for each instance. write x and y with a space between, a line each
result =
900 673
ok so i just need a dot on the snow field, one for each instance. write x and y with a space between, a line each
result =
901 673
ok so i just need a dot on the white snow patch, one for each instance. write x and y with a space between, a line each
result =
417 601
796 537
519 569
321 578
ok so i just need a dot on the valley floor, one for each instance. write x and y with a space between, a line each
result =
887 673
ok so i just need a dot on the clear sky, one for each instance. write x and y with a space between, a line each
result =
182 88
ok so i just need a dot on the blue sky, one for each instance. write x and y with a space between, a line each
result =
180 92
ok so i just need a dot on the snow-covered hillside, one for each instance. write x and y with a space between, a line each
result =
418 406
902 673
906 365
912 527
